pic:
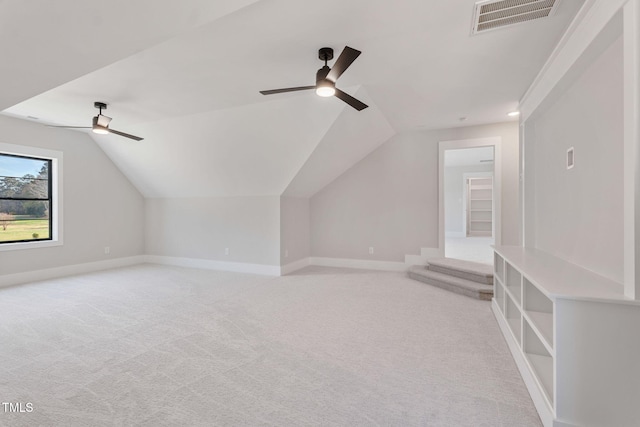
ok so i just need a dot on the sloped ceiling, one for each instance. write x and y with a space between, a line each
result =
186 75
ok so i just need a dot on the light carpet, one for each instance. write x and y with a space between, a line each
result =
163 346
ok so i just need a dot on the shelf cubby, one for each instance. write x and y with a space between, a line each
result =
480 204
540 360
513 282
481 194
498 266
514 318
539 310
498 292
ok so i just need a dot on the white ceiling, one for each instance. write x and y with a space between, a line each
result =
186 75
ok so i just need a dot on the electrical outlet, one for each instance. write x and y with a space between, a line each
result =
107 250
226 251
286 253
370 250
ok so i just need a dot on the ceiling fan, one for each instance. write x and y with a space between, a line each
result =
326 77
101 124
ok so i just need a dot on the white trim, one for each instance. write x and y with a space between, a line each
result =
57 186
208 264
496 142
366 264
68 270
588 23
631 80
294 266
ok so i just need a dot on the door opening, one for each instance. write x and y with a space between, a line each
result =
470 199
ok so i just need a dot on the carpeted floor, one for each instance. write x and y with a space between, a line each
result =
154 346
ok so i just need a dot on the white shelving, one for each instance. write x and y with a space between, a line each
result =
540 360
480 206
498 266
528 314
499 296
513 282
514 318
567 329
538 309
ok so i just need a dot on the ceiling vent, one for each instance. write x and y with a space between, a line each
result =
493 14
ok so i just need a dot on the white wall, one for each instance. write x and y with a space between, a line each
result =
201 228
579 212
389 200
101 207
295 238
454 195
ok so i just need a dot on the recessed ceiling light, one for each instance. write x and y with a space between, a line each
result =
514 114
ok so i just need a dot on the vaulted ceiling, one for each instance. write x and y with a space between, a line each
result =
186 76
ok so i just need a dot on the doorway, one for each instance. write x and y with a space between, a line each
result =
470 199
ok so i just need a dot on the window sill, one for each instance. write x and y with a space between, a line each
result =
29 245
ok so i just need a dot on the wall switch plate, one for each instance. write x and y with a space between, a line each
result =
570 158
286 253
370 250
107 250
226 251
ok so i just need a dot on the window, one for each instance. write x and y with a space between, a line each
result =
29 197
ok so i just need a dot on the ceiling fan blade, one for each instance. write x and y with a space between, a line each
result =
126 135
346 58
289 89
69 127
358 105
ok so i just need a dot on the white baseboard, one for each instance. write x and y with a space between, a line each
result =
238 267
207 264
359 263
67 270
293 266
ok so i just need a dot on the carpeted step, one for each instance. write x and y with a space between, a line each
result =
468 270
451 283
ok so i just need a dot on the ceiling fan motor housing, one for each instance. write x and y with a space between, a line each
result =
321 74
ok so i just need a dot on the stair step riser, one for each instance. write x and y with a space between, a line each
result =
486 296
461 274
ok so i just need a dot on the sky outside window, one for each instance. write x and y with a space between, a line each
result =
19 167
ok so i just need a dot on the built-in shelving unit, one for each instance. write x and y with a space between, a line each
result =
537 298
480 206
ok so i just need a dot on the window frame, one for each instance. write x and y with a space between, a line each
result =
55 194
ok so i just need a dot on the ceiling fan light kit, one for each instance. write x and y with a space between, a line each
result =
325 88
326 77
